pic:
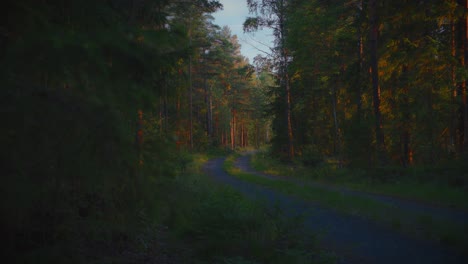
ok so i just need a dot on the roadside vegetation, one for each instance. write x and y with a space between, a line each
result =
219 225
439 185
103 105
182 217
412 223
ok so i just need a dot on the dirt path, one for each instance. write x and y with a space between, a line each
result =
356 240
435 212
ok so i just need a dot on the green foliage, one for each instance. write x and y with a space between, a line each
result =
310 156
77 186
96 153
217 224
324 185
418 69
441 184
68 170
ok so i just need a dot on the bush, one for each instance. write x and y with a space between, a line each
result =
219 225
310 156
69 175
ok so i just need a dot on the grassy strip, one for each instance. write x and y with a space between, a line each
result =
183 217
411 223
411 185
218 225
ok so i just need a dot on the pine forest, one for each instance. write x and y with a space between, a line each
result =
137 131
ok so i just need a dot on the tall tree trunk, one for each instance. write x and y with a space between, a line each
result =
207 104
464 57
285 77
453 127
190 84
374 32
242 142
257 134
163 111
336 140
359 78
233 129
288 116
406 157
210 113
360 53
139 137
190 103
222 139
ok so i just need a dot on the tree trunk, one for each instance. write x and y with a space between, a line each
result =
336 143
207 104
289 121
374 32
285 78
190 103
246 136
406 157
464 57
242 142
451 148
360 52
210 113
233 129
257 134
190 86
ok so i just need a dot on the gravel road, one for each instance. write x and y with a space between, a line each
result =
436 212
354 239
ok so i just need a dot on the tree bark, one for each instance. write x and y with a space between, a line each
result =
464 57
451 148
360 52
242 142
336 140
406 158
374 32
210 113
233 129
285 78
190 103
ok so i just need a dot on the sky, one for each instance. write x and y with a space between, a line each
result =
233 15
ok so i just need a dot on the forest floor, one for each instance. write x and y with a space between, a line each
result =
355 239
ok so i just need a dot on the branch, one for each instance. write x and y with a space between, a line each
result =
255 47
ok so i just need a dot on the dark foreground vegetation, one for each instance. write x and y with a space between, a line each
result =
101 104
95 105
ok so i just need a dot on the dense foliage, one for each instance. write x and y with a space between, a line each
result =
371 82
100 102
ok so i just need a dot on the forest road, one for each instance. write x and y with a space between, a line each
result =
434 211
353 239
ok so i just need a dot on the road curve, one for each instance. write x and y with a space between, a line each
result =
436 212
354 239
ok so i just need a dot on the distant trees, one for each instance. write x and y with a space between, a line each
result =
273 14
222 83
373 82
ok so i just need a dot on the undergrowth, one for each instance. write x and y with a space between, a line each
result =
75 189
219 225
443 185
417 224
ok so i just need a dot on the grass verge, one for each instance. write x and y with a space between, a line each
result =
418 184
216 224
415 224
